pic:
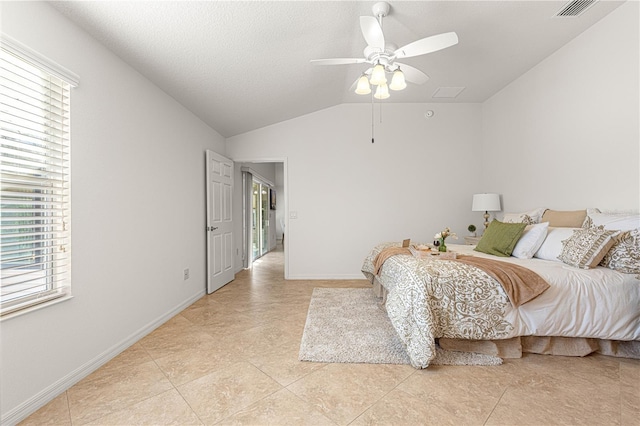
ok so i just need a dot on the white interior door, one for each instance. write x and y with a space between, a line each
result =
219 221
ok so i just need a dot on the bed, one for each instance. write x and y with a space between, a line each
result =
586 308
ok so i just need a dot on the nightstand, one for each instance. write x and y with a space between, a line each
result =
472 241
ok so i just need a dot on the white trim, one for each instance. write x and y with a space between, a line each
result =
328 277
15 47
47 395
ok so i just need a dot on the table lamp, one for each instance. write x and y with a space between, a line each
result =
486 203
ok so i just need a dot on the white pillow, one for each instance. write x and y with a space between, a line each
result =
530 217
530 241
614 221
552 245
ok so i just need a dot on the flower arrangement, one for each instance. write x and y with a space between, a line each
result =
440 239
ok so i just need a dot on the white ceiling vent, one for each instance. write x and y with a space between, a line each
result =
574 8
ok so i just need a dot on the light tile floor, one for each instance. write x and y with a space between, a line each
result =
232 358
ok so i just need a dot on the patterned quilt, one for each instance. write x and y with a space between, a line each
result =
429 298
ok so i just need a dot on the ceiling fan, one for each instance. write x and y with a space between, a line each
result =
382 56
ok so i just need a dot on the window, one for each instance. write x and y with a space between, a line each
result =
34 154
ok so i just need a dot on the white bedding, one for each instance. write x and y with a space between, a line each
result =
428 300
597 303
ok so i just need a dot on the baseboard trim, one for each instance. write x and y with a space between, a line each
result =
327 277
47 395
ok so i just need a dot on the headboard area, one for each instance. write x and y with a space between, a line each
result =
581 238
564 219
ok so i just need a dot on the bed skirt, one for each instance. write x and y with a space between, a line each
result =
516 346
563 346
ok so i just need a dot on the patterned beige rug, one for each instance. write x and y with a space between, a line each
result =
350 325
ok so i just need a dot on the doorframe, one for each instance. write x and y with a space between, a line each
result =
285 184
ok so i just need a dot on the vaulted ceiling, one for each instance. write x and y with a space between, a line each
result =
240 65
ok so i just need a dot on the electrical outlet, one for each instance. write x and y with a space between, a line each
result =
186 274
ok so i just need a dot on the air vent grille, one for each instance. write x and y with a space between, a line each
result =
575 8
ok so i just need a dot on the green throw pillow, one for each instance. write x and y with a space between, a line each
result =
500 238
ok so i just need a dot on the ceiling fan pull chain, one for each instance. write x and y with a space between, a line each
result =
372 119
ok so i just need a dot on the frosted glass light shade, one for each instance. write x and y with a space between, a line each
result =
397 81
363 87
486 203
382 92
378 76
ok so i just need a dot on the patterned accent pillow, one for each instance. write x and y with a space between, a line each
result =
588 222
526 219
529 218
587 247
624 256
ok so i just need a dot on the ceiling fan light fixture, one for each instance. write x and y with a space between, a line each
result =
382 92
363 87
382 55
397 81
378 76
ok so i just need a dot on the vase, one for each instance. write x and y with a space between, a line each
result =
442 247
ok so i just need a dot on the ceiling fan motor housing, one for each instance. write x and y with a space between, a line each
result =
373 54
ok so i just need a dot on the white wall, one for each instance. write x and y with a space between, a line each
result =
138 216
565 135
349 194
138 172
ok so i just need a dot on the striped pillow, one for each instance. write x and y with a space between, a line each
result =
587 246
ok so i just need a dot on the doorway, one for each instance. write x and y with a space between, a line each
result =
270 201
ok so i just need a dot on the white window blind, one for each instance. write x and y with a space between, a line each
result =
35 195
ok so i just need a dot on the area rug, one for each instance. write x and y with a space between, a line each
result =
350 325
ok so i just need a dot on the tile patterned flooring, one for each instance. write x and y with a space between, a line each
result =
232 358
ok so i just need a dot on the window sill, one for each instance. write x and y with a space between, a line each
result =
36 307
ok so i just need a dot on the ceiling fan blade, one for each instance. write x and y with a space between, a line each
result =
427 45
412 74
372 32
338 61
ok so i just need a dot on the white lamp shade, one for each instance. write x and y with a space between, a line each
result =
363 87
486 203
397 81
382 92
378 75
